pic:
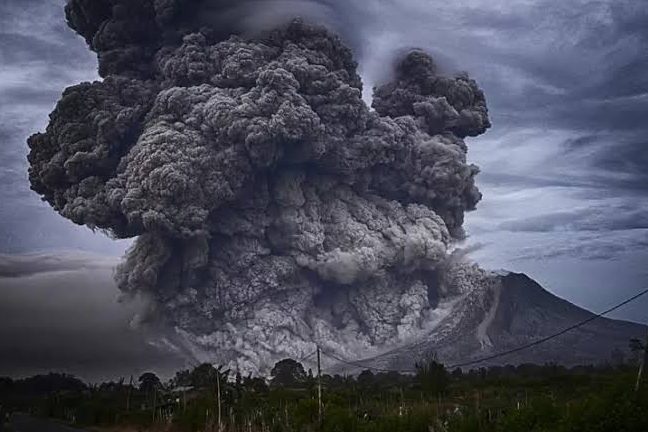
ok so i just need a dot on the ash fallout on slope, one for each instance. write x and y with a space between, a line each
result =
272 207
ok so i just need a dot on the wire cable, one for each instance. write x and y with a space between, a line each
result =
307 357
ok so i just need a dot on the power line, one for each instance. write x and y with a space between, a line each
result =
306 357
504 353
350 363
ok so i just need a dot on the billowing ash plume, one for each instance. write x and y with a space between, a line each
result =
272 207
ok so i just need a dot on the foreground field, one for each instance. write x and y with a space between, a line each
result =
503 399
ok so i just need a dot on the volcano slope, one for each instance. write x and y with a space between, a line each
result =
514 312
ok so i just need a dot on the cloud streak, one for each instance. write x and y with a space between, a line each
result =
16 266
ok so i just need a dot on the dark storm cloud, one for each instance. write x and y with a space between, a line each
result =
591 248
614 102
21 48
496 178
606 218
623 155
590 165
13 266
593 80
60 313
632 158
29 96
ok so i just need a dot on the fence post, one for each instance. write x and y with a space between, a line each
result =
319 386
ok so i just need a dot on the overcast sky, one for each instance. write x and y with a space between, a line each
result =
564 168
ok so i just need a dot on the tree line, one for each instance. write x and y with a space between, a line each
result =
207 398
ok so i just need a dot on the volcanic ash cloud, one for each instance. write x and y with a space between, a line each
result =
272 208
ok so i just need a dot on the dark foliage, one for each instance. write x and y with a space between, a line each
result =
532 398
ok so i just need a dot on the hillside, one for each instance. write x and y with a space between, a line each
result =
515 312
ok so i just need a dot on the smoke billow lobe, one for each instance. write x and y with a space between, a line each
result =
127 34
272 207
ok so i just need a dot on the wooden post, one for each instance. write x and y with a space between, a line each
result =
220 425
154 402
642 365
319 386
479 419
128 396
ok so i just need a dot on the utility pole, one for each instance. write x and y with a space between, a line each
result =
128 396
154 402
220 425
642 365
319 385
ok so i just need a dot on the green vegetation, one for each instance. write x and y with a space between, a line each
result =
526 398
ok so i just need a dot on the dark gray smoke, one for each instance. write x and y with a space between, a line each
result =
272 207
127 34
